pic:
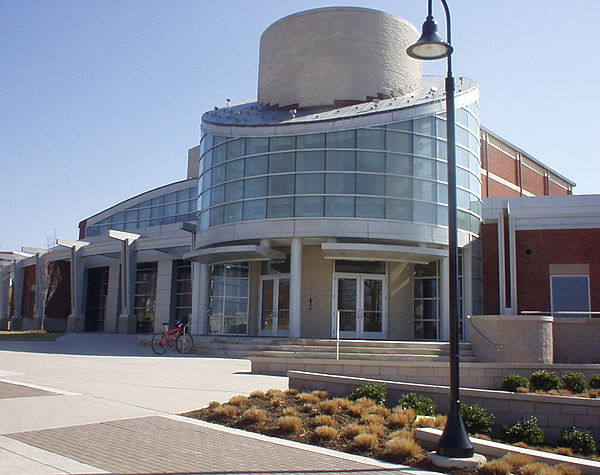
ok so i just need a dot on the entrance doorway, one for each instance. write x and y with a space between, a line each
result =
274 305
361 301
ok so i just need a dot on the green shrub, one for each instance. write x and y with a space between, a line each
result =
513 381
574 382
374 391
422 405
544 380
580 441
477 419
526 431
595 382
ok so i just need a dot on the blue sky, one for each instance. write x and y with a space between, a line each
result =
100 100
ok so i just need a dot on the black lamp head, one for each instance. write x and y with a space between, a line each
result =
429 46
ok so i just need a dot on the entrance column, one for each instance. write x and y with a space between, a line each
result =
4 295
127 319
18 292
444 291
295 286
75 323
200 288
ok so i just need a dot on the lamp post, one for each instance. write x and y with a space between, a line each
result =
454 441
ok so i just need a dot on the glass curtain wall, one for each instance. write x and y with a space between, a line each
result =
229 299
145 296
95 304
394 171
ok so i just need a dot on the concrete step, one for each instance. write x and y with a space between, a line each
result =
357 356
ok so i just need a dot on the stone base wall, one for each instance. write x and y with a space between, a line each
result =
554 413
576 340
472 375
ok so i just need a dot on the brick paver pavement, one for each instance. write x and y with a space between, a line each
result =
158 444
9 390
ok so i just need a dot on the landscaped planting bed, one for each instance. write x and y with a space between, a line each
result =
360 426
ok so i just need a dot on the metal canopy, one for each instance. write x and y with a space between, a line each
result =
219 255
381 252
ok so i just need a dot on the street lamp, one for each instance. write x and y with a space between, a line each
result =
454 441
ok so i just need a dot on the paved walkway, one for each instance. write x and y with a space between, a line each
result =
67 407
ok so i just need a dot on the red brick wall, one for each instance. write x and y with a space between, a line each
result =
502 165
562 246
489 244
498 189
533 181
557 189
59 305
28 291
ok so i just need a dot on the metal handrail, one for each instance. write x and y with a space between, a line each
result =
485 338
565 312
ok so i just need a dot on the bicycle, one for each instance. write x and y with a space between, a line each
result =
178 336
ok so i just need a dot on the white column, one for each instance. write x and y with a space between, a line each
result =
512 262
164 291
200 289
111 306
127 319
76 321
444 299
501 266
295 286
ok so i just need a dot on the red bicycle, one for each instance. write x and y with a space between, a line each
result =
178 336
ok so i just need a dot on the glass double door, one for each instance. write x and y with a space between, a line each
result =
360 301
275 306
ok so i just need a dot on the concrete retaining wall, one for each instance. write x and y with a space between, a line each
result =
472 375
576 340
554 413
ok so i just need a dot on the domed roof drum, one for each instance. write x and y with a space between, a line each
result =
336 55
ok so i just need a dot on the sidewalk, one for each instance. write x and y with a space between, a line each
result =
95 403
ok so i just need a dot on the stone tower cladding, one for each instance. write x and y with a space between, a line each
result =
315 57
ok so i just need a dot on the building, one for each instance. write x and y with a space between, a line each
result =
320 205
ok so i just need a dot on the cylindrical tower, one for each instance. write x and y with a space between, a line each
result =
336 55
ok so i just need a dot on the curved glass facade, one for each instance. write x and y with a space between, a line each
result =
173 207
395 171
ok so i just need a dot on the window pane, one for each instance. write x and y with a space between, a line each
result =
216 216
255 209
281 162
424 125
219 153
257 165
337 183
370 161
338 160
309 183
280 207
367 184
339 206
425 213
398 141
235 148
370 207
399 186
218 174
370 139
310 141
257 145
310 161
424 146
281 185
406 125
424 190
309 206
400 210
282 143
232 213
217 195
399 164
425 168
255 187
235 169
341 139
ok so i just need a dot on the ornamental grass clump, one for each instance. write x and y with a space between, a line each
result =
511 382
237 400
379 410
496 467
321 394
214 404
574 382
323 420
365 441
343 403
291 392
400 448
326 433
257 394
372 419
289 424
543 380
373 391
308 397
403 434
330 406
254 415
225 412
290 411
352 430
538 468
274 393
375 429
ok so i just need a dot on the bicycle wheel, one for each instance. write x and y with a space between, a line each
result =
184 343
160 343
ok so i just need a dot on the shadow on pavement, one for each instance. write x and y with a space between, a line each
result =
91 344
